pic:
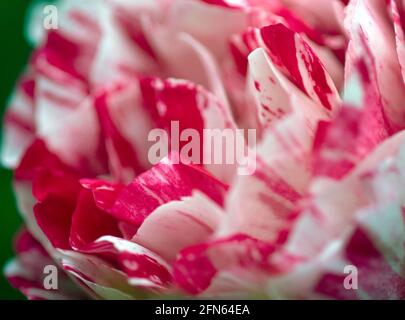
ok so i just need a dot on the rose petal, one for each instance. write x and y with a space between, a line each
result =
369 26
117 108
89 222
356 131
19 125
26 272
298 62
398 13
143 268
196 266
179 224
333 204
163 183
166 102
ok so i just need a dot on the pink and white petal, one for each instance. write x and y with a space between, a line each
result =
305 279
331 60
105 193
185 16
54 217
25 204
243 257
297 60
319 14
268 216
96 276
78 21
89 222
379 279
324 278
398 13
17 138
242 101
212 70
55 185
125 108
329 45
297 101
144 268
332 206
271 99
384 221
63 60
19 125
384 226
134 25
165 182
192 107
329 48
227 285
87 154
240 46
373 243
26 272
179 224
73 46
45 171
177 57
272 192
377 248
55 101
22 275
231 4
371 30
118 108
281 176
359 127
118 57
145 272
60 86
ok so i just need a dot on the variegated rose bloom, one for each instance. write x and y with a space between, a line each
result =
321 81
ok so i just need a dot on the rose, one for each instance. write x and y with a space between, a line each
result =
327 189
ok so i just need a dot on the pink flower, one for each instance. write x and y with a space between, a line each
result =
322 84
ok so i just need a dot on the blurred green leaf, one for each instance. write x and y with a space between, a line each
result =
14 54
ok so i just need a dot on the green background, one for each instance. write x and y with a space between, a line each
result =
14 54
